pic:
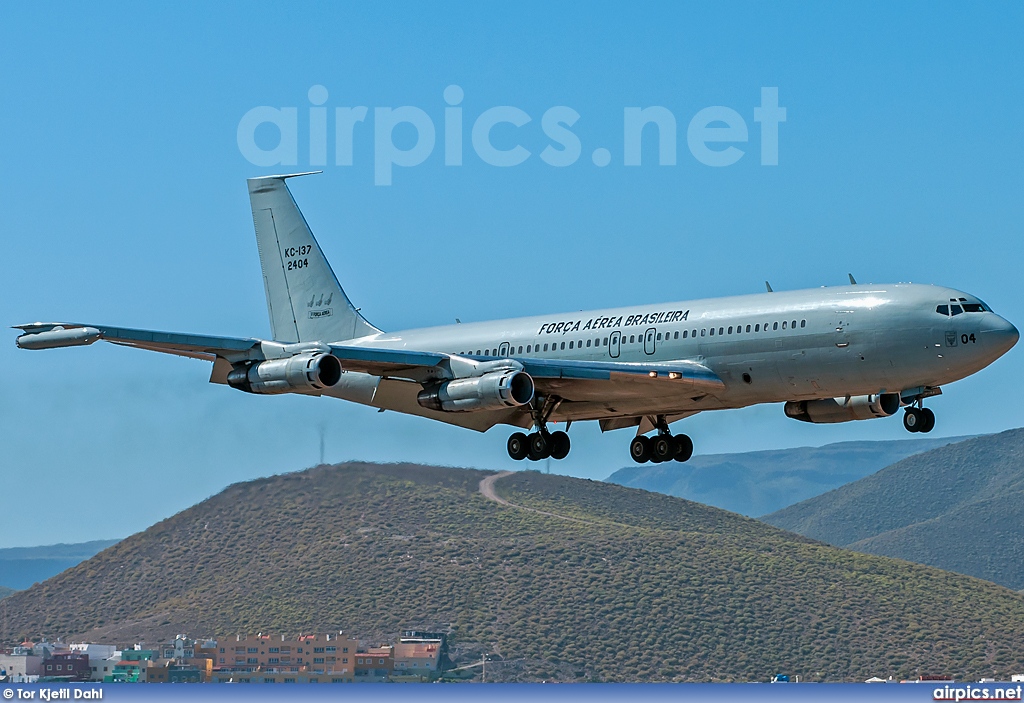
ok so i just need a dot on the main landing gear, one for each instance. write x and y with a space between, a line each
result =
540 444
919 420
664 446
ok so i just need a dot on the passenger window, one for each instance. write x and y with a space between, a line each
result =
659 336
792 325
545 347
757 328
570 345
702 333
520 350
563 345
783 324
803 323
748 328
478 352
605 342
775 326
730 329
527 348
712 331
955 309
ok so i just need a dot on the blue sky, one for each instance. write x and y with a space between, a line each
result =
901 159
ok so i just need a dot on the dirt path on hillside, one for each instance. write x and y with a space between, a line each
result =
487 491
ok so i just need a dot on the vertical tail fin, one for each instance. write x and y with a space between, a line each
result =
305 301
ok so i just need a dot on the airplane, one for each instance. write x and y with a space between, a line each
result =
830 354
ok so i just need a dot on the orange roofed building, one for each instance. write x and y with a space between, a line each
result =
318 658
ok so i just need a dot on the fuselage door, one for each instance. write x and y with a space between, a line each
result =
613 344
503 350
649 341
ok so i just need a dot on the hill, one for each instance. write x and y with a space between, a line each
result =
576 580
4 592
20 567
755 483
960 507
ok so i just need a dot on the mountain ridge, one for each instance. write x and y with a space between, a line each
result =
956 507
635 586
761 482
20 567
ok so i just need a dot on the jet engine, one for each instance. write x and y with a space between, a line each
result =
303 373
508 388
858 407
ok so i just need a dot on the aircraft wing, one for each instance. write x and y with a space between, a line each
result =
49 335
422 366
392 363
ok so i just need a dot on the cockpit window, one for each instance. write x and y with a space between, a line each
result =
974 307
943 310
955 309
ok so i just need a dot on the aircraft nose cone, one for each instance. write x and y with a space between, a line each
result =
1000 334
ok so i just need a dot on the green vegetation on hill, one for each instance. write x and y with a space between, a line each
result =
638 587
960 507
20 567
755 483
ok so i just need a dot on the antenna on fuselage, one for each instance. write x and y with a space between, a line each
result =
853 281
768 286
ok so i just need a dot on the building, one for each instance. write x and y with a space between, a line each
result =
20 661
374 664
129 671
73 666
95 651
181 648
273 658
102 669
417 659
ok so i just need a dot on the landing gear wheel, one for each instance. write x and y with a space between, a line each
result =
913 420
539 446
640 449
663 448
684 447
559 445
518 446
927 420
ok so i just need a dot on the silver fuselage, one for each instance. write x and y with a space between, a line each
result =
848 340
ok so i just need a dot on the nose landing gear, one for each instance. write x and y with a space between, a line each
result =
919 420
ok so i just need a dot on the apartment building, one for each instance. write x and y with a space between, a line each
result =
328 655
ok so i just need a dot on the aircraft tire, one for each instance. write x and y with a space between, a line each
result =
663 448
518 446
640 449
913 420
927 420
540 447
684 447
560 445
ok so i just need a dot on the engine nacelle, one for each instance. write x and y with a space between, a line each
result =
303 373
508 388
858 407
